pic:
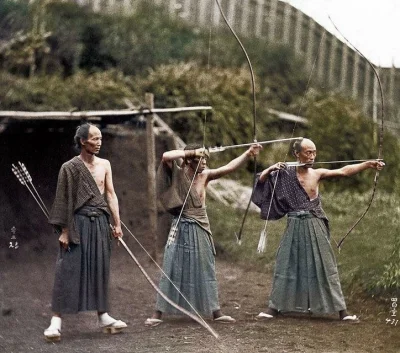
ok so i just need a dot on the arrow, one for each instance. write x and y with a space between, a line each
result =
223 148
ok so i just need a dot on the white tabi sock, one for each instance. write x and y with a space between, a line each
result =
55 323
106 319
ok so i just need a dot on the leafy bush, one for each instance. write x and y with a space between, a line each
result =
82 91
226 90
342 132
13 16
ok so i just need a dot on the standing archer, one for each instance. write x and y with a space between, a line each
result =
81 214
189 260
306 277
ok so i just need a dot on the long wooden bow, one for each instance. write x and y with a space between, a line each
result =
380 148
253 86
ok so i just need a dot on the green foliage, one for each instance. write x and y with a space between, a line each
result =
371 248
278 72
389 280
147 39
96 41
187 84
37 94
102 90
226 90
25 48
93 55
66 21
281 74
78 38
13 16
341 132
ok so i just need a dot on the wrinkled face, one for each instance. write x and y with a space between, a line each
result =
308 153
193 163
93 144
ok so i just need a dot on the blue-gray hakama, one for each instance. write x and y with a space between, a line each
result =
190 260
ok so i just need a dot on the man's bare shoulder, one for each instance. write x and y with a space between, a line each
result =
319 170
103 161
204 175
103 164
208 171
323 172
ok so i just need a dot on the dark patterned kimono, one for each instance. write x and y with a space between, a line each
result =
82 271
306 276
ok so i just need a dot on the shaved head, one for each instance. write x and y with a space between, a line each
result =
307 143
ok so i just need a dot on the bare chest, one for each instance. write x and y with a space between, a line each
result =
200 188
309 182
98 173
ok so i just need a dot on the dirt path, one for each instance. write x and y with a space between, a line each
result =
26 286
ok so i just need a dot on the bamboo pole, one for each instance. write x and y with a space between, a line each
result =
151 174
94 114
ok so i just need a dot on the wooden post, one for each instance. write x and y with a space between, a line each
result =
151 174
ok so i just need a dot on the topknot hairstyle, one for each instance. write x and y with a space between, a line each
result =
82 132
296 147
